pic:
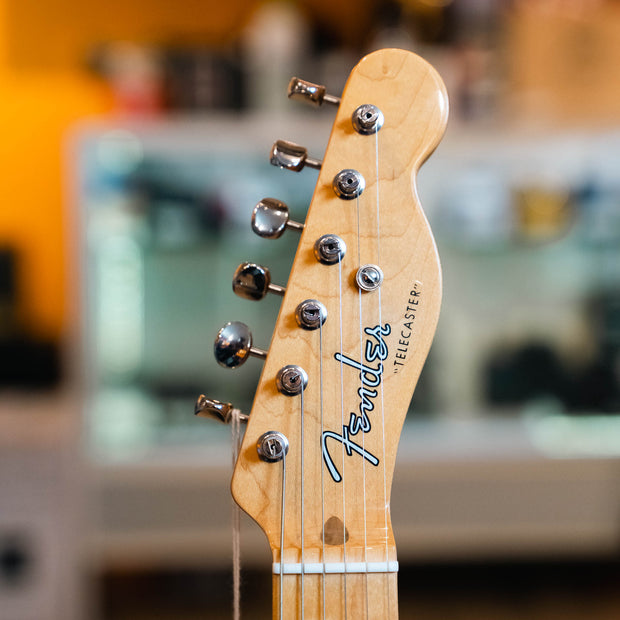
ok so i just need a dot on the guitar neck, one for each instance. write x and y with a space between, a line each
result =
336 596
355 326
367 588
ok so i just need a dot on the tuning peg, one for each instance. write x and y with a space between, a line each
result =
252 281
215 410
270 219
233 345
314 94
291 156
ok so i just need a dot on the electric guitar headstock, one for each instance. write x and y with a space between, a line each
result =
357 320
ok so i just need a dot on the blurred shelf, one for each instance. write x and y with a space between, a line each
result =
466 486
463 490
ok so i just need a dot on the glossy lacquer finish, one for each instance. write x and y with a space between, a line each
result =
325 506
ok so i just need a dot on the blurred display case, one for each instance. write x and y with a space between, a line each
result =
513 440
167 220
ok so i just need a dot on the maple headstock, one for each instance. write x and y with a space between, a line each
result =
363 363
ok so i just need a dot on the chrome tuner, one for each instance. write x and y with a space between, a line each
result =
291 380
215 410
270 219
367 119
329 249
310 314
314 94
291 156
348 184
233 345
369 277
272 446
252 281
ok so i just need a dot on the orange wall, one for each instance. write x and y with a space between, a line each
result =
44 90
61 33
35 112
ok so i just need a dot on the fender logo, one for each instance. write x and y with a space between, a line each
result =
371 376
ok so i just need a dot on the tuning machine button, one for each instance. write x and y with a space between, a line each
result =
216 410
270 219
233 345
252 281
291 156
314 94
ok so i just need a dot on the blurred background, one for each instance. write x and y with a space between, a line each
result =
134 145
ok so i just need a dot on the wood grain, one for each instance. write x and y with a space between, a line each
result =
373 597
387 227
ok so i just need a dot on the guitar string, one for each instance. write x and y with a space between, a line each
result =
385 498
322 468
344 510
302 504
359 263
235 429
283 502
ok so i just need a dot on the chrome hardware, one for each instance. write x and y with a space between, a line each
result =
348 184
369 277
367 119
310 314
215 410
272 446
291 156
329 249
313 94
291 380
233 345
252 281
270 219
